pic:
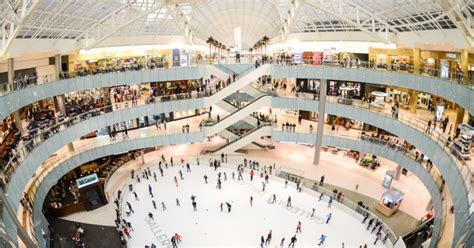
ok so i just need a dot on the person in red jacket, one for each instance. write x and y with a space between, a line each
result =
251 175
177 237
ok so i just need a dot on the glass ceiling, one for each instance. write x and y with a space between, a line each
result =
78 19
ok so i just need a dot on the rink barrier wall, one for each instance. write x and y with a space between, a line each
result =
124 146
457 93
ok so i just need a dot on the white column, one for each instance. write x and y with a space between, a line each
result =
398 172
57 62
11 70
61 104
322 113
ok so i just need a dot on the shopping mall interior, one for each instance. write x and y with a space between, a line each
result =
236 123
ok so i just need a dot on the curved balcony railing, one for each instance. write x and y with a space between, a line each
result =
51 164
40 136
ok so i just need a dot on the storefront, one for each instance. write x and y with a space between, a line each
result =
399 59
439 64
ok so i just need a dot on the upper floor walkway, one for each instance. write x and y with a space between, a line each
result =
20 94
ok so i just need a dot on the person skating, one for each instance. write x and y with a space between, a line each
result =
274 198
222 206
366 216
154 204
177 202
150 190
269 238
161 171
329 201
371 221
188 167
154 176
263 186
229 207
288 202
240 176
266 178
194 206
150 216
312 213
378 237
282 242
286 184
251 201
251 175
298 227
292 241
176 181
163 206
173 242
136 196
225 176
328 218
233 175
205 178
322 239
181 175
262 241
178 238
321 196
219 184
130 209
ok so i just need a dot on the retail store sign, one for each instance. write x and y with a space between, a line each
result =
451 55
87 180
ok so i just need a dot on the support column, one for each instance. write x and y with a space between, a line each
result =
60 102
11 70
413 101
465 62
416 61
17 120
398 172
459 117
321 114
58 65
70 147
142 152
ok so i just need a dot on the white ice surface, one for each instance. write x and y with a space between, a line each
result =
209 227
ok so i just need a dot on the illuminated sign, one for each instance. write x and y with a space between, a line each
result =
87 180
451 55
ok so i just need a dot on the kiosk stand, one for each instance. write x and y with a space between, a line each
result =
390 202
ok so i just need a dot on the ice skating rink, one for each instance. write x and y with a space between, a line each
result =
245 224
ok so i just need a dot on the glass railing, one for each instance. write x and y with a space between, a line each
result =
28 81
454 76
38 137
83 146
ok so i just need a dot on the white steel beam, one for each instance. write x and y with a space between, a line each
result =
179 17
455 10
348 21
289 21
14 18
115 23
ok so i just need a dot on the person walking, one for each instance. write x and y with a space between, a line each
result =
328 218
321 181
298 227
